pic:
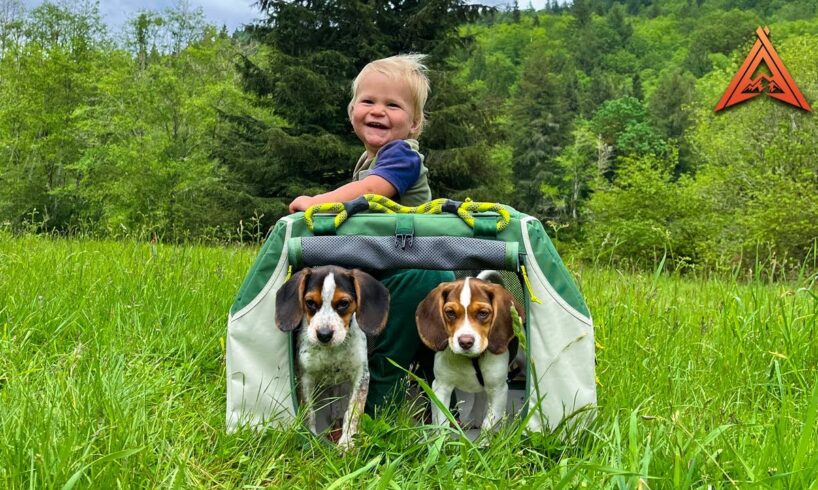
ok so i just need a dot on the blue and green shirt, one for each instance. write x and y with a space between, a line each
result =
401 164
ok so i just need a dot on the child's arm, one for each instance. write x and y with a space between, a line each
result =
372 184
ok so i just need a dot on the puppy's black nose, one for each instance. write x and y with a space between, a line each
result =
324 335
466 341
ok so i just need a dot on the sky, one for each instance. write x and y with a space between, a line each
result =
231 13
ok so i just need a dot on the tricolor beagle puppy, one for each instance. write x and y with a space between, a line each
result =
335 308
468 322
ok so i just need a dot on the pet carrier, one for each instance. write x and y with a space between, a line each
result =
558 376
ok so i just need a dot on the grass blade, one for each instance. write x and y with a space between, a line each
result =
340 481
806 432
108 457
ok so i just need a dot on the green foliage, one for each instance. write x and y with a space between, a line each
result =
183 131
752 196
615 116
580 163
757 164
95 138
655 41
617 21
622 124
640 216
44 80
166 143
540 127
594 40
719 32
668 104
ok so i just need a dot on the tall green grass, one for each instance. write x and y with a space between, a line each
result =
112 376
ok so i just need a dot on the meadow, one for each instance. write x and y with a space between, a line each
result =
112 375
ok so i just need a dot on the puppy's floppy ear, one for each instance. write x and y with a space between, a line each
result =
502 329
373 302
429 319
290 301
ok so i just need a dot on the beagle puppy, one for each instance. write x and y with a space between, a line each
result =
335 309
468 323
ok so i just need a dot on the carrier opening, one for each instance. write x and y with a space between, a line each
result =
469 409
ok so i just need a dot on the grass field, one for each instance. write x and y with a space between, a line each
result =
112 376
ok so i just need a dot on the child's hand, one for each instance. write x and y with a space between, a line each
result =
301 203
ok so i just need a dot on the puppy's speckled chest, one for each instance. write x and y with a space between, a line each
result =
334 364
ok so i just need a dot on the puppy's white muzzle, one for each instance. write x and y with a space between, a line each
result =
466 342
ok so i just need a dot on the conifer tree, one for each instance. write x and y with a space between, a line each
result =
541 128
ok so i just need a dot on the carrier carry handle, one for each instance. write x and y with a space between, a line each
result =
380 204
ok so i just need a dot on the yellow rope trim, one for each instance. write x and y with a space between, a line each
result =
327 207
534 298
517 326
383 204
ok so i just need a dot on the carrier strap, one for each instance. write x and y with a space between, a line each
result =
477 370
381 204
513 345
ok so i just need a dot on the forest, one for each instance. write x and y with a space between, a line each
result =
595 116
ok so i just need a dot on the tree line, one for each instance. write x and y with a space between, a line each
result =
595 116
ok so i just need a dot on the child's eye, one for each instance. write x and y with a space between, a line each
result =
392 104
365 101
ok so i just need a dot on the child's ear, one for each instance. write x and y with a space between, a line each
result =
415 126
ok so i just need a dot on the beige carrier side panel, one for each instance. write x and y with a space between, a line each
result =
561 342
258 360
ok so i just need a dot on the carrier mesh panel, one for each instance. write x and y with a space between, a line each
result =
509 280
512 283
382 253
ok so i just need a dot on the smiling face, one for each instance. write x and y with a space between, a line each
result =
382 111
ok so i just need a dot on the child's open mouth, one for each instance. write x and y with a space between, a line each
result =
377 125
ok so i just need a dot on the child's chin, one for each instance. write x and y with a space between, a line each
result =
377 142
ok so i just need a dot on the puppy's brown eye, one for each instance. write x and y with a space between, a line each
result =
342 305
311 305
450 314
483 314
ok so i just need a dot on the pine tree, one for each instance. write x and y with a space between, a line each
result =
582 12
616 20
541 128
669 111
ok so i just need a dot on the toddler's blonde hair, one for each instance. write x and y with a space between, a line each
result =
408 68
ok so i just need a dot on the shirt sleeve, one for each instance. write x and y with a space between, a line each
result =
399 164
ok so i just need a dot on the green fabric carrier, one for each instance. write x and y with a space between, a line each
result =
560 379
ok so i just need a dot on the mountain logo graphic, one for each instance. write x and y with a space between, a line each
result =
778 85
757 86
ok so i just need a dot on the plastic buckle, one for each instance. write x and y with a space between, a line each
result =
404 241
404 231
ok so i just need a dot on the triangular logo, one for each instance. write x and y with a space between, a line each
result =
778 84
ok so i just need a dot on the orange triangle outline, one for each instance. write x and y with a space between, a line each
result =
763 50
